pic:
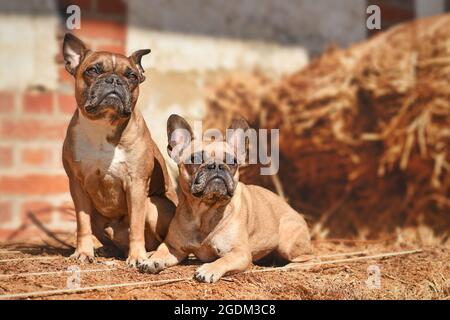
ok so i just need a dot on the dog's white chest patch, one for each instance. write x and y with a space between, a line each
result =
93 150
223 242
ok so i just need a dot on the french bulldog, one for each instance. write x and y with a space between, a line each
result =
118 178
224 222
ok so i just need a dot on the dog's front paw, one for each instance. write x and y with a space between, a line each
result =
208 273
134 261
152 266
83 256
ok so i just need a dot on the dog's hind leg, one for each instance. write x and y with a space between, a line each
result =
160 212
113 234
118 232
294 241
99 224
107 231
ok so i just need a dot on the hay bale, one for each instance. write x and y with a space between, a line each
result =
364 132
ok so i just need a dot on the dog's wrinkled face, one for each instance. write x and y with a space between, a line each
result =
106 84
208 170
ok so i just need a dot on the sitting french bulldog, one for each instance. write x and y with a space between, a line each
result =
223 222
118 178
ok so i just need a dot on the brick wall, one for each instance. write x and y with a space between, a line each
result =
33 123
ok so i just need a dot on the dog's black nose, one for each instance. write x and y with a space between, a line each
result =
114 79
215 166
211 166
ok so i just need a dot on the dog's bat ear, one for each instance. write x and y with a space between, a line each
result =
239 124
136 57
179 135
237 138
74 50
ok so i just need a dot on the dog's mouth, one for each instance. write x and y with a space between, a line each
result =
113 94
214 188
217 179
112 100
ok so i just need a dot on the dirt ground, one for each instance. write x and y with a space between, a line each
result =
424 275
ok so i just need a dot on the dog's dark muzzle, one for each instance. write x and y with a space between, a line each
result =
213 180
110 92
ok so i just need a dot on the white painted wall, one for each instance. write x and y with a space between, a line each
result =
426 8
187 53
28 44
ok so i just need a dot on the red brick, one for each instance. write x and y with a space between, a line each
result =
67 103
5 212
6 156
111 48
395 13
102 29
6 101
33 184
66 211
42 210
36 157
111 7
58 156
33 129
85 5
38 102
65 76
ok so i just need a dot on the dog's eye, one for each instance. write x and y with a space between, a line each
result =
132 76
196 158
93 71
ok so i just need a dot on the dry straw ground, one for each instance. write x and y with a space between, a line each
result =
424 275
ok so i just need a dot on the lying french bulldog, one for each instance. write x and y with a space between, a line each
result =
219 219
118 178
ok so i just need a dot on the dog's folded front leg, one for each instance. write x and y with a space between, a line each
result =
164 257
136 193
238 259
83 208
